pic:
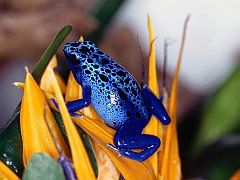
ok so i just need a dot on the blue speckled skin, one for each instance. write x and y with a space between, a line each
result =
116 97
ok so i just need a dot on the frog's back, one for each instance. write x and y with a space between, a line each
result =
115 96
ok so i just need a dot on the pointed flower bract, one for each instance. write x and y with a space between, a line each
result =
34 131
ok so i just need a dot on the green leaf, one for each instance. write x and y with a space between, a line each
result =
222 113
49 52
42 166
11 145
10 137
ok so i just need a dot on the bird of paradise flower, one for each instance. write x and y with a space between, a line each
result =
36 137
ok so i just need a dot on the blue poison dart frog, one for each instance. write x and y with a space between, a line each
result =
116 97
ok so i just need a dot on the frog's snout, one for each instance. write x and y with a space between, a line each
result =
66 49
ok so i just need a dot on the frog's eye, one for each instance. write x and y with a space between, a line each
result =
73 59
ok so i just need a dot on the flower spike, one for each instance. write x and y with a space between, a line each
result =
171 165
154 127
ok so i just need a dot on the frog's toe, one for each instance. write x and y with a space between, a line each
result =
133 155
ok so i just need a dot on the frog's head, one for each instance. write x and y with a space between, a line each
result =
77 52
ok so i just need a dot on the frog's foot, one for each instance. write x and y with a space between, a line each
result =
147 143
128 138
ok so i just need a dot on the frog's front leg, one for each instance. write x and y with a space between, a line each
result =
78 104
155 105
129 136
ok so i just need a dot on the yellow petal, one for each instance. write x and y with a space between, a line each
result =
6 173
154 126
61 82
47 95
80 158
106 168
34 131
171 164
45 85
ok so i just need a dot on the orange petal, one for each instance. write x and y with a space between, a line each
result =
6 173
34 131
154 126
80 158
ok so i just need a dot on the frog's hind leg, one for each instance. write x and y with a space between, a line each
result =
129 137
148 143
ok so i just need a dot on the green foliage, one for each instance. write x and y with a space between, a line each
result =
214 151
42 166
222 113
11 144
